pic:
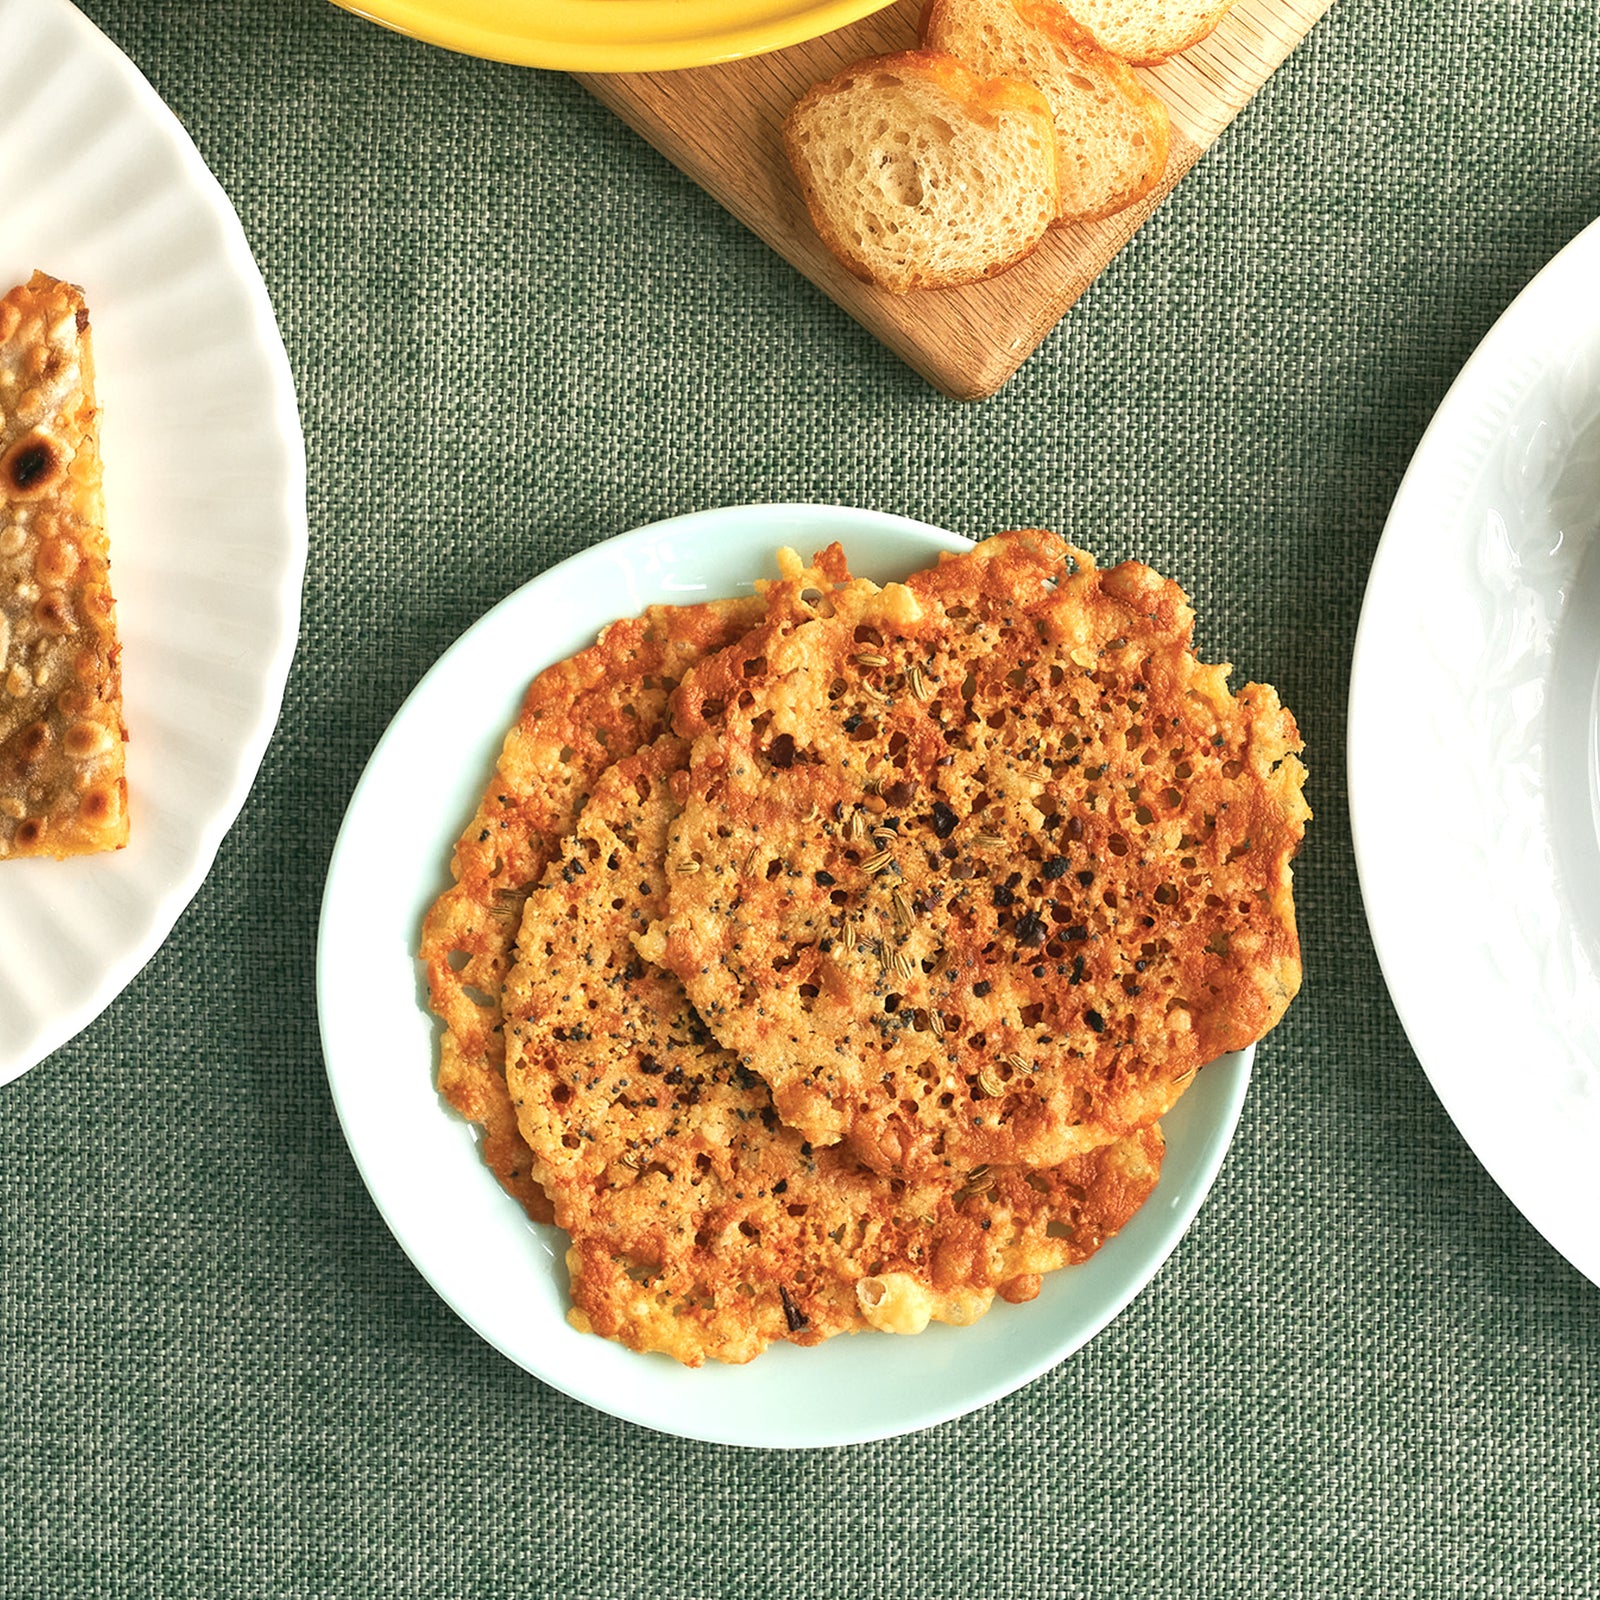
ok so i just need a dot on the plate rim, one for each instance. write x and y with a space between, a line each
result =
1470 395
1225 1081
234 256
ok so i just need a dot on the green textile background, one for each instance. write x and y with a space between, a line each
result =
515 331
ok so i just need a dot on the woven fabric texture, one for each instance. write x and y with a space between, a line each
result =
515 331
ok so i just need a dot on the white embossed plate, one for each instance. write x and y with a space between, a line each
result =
205 498
1474 755
474 1244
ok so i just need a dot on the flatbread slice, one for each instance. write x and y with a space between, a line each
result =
63 783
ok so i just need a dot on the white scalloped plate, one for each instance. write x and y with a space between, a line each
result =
1474 756
474 1244
205 497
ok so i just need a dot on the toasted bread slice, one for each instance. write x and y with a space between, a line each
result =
920 174
1112 134
1146 32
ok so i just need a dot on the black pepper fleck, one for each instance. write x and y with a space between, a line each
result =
792 1314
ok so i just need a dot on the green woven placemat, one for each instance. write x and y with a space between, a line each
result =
516 331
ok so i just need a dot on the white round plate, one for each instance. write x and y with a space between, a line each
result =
474 1244
1474 754
205 500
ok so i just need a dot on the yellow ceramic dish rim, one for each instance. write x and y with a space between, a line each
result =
612 35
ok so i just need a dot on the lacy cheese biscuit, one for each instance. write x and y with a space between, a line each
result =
701 1226
577 718
982 867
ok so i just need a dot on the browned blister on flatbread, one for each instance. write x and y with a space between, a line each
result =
63 788
981 868
577 717
701 1226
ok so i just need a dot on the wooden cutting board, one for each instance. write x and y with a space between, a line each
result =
722 124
